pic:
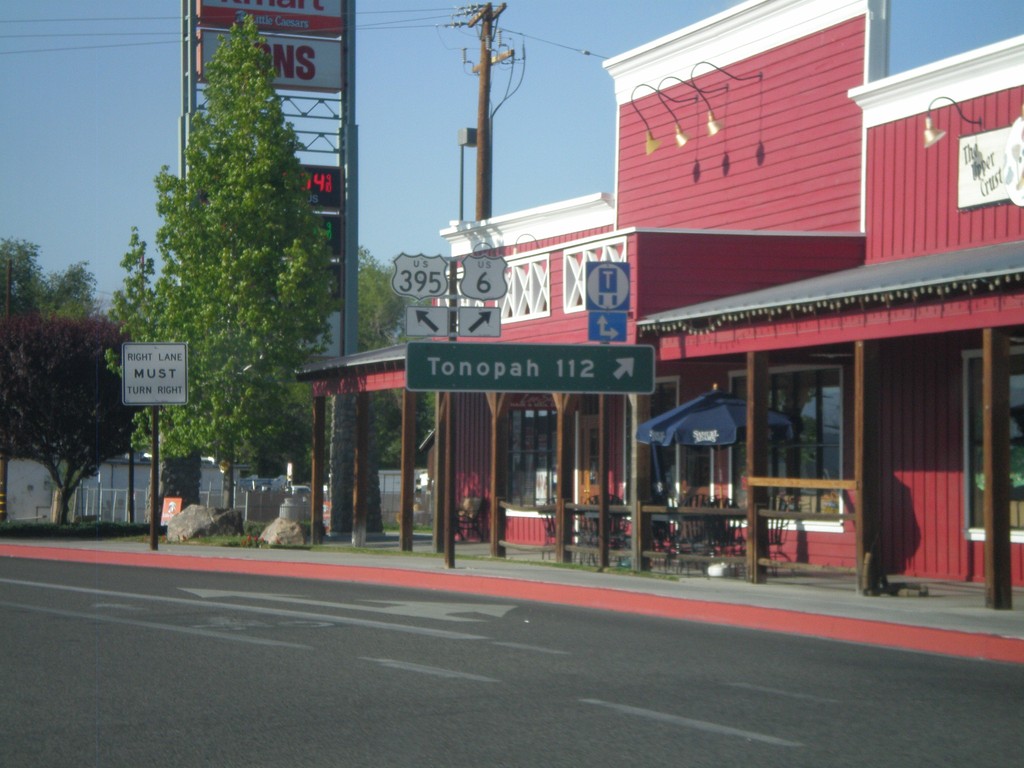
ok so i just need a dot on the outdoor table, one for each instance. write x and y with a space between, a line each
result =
703 530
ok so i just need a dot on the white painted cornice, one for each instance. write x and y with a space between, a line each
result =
546 221
746 30
962 77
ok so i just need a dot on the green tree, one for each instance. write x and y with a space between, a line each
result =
244 261
60 404
70 293
381 310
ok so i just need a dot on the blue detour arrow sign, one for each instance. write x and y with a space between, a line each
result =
451 367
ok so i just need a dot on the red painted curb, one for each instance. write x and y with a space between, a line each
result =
927 639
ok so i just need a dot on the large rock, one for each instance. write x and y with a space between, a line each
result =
283 532
197 521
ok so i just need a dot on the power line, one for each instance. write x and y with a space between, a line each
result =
372 26
581 51
87 47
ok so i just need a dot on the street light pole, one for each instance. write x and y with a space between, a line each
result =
467 138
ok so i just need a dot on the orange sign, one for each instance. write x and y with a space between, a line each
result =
172 506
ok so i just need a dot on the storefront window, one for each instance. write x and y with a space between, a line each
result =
532 466
812 398
975 474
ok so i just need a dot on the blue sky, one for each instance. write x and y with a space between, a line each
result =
91 103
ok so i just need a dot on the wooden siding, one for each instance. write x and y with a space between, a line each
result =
674 270
472 429
788 158
557 327
797 330
357 380
923 516
911 197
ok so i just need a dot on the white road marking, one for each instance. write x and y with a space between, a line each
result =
536 648
420 609
154 625
787 694
700 725
435 671
303 615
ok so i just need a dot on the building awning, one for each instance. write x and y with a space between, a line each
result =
923 278
386 358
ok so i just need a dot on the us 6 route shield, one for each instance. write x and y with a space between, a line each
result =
483 278
451 367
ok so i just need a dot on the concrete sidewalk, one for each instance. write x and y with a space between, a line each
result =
950 619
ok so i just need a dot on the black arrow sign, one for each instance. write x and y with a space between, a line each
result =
485 317
423 318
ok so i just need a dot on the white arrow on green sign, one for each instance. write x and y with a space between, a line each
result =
437 366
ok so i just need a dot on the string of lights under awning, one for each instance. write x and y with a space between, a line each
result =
927 278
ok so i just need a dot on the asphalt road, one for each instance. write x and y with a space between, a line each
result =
114 666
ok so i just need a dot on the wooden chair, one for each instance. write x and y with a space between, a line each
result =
469 518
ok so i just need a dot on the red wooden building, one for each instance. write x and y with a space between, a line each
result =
790 238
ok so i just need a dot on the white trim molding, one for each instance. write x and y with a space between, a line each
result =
966 76
524 229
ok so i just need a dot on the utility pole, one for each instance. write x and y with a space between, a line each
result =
3 452
486 17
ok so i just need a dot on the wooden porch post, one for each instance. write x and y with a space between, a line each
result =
498 403
640 466
316 496
602 474
757 464
405 506
448 515
640 483
360 469
565 405
867 515
995 387
440 470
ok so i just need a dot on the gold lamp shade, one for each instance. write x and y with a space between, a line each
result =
932 135
714 126
681 137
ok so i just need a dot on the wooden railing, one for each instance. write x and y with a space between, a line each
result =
791 515
697 536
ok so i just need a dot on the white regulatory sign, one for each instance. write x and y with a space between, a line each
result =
427 321
154 374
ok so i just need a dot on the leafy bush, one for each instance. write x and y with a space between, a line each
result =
101 529
253 528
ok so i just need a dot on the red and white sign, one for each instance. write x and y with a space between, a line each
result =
298 17
172 507
302 64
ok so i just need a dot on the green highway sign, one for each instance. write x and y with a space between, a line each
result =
438 366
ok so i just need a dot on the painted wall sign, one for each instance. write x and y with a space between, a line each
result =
1013 162
299 17
302 64
991 167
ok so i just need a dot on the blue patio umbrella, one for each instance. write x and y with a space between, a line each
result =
713 419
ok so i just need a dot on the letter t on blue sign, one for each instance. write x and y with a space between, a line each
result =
607 286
